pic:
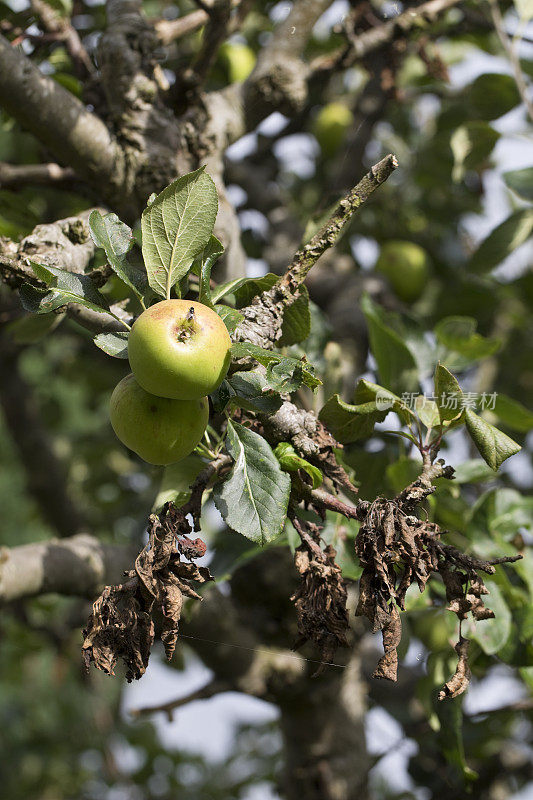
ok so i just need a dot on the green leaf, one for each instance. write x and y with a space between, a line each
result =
288 374
397 367
471 145
521 182
493 445
32 328
513 414
450 713
253 393
64 287
349 423
491 96
427 411
366 392
502 241
116 239
283 373
253 499
203 264
296 324
244 289
290 461
114 344
175 227
229 316
176 482
463 345
448 393
492 634
402 472
472 471
249 390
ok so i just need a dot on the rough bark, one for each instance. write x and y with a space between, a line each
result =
77 137
323 736
77 566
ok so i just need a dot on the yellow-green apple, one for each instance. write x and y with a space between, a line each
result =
239 60
406 265
179 349
159 430
330 126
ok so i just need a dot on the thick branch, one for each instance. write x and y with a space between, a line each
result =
60 121
46 475
66 244
77 566
279 80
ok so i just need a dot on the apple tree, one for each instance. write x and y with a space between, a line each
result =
310 479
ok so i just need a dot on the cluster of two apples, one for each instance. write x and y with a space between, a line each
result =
179 352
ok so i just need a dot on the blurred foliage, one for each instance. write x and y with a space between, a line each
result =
64 735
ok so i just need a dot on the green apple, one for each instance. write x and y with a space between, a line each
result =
406 266
330 126
179 349
239 60
159 430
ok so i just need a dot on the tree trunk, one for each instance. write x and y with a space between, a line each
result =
322 722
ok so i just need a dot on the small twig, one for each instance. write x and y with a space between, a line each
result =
263 319
21 175
194 505
216 31
210 689
376 37
60 26
330 233
520 705
170 30
312 545
511 49
325 500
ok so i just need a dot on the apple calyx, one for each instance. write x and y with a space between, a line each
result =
186 328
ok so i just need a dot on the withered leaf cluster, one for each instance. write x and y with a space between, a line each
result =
397 549
123 618
320 599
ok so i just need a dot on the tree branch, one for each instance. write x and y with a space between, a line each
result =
169 30
53 22
46 474
77 566
263 319
60 121
510 48
216 30
67 244
330 233
279 79
34 174
210 689
377 37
